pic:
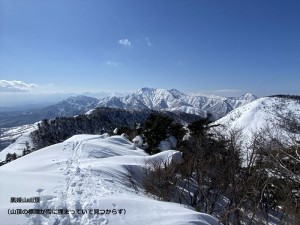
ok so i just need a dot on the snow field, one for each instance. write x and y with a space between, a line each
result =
89 172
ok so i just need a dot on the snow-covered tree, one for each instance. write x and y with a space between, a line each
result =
138 140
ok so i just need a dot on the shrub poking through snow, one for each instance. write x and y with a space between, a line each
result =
157 129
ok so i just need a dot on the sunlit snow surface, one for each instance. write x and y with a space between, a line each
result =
89 172
20 135
261 114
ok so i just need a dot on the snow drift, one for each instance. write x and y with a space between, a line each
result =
87 179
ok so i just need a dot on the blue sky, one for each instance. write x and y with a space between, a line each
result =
197 46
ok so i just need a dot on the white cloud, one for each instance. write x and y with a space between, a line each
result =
125 42
15 86
148 41
112 63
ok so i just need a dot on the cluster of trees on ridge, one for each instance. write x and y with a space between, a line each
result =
215 177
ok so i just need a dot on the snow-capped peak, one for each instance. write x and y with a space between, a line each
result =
80 99
248 96
145 90
255 116
177 93
174 100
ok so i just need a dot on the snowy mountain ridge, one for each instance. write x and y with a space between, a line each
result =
93 174
144 98
174 100
270 113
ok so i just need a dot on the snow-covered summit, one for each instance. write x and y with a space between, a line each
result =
248 96
79 102
88 179
111 102
176 93
174 100
258 114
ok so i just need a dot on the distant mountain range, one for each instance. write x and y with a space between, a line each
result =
145 98
117 111
174 100
70 107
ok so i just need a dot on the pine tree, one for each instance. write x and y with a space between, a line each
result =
157 127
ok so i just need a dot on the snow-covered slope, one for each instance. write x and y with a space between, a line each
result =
70 107
174 100
97 179
21 138
259 114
